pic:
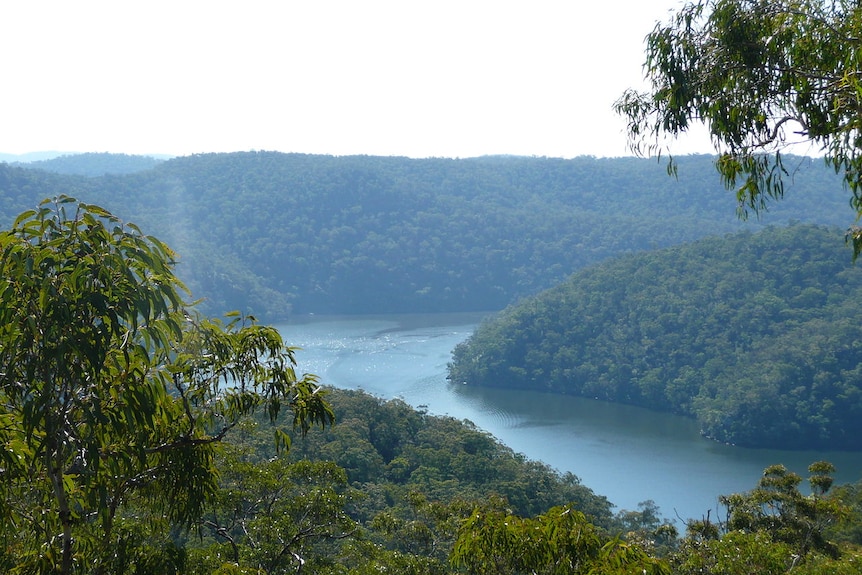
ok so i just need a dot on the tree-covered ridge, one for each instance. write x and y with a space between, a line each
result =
759 336
273 233
136 438
95 164
386 485
392 449
389 488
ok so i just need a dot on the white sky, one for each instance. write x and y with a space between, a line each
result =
446 78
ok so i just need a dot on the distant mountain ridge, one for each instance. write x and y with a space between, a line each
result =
276 234
90 164
30 156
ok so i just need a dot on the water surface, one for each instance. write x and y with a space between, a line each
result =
626 453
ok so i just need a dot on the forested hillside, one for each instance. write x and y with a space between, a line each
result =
385 487
275 234
756 335
389 488
137 436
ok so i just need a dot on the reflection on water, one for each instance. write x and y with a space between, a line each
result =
626 453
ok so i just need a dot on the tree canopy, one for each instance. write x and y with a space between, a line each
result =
113 390
436 496
756 335
276 234
763 75
774 528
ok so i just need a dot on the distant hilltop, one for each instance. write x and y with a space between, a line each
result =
31 157
89 164
278 234
51 154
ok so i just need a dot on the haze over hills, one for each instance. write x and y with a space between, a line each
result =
276 234
94 164
30 156
74 160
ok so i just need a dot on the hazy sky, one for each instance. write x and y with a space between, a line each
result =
444 78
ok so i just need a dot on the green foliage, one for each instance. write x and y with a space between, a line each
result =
762 75
736 553
756 335
850 563
648 528
274 234
428 530
773 528
274 515
561 541
849 528
113 395
392 452
777 507
404 513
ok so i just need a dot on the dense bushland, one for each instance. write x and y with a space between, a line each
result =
275 234
756 335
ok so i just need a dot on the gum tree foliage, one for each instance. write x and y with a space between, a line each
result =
113 394
275 516
778 508
561 541
774 528
761 75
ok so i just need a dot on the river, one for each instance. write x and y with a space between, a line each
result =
625 453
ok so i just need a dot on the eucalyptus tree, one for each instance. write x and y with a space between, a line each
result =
274 516
777 507
774 528
113 393
762 75
561 541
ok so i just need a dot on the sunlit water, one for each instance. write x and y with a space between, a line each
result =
625 453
